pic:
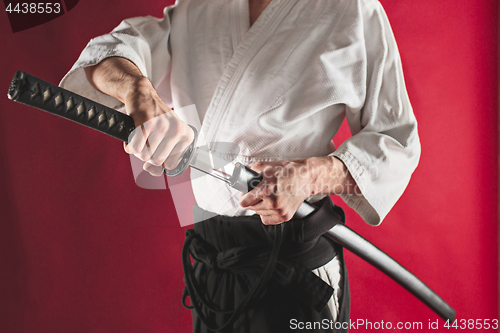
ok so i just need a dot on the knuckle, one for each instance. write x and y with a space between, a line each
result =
170 164
131 149
135 148
144 155
187 133
258 166
265 221
155 172
178 131
175 133
156 162
140 157
277 219
275 205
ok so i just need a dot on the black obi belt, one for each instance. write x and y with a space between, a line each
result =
251 277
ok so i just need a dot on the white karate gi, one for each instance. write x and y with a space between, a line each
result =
279 89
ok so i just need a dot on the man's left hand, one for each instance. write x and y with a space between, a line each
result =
286 184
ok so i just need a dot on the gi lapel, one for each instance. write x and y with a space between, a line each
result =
240 21
246 50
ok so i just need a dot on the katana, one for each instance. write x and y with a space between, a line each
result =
32 91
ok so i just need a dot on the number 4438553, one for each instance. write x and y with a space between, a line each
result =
472 324
34 8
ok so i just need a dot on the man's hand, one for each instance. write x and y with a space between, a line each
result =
160 137
286 184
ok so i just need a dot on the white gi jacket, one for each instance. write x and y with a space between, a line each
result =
279 89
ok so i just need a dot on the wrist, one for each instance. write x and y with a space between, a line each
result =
141 100
117 77
329 175
135 87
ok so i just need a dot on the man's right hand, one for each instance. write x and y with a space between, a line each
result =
160 137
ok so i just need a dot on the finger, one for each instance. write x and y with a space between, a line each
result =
259 166
252 197
265 169
262 166
272 220
179 149
160 136
283 213
262 191
145 154
176 155
265 204
169 146
153 169
162 152
266 212
137 141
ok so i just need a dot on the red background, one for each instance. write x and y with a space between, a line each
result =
83 249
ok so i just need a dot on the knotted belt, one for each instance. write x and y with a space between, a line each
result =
289 264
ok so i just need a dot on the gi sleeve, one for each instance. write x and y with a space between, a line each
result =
384 149
142 40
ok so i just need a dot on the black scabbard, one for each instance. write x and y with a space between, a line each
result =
35 92
364 249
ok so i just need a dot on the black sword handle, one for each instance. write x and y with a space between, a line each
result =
32 91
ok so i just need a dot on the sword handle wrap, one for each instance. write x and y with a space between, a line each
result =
32 91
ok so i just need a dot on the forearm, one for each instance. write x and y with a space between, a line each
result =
114 76
164 136
329 175
122 79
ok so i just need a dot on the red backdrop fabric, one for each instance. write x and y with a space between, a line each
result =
84 249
